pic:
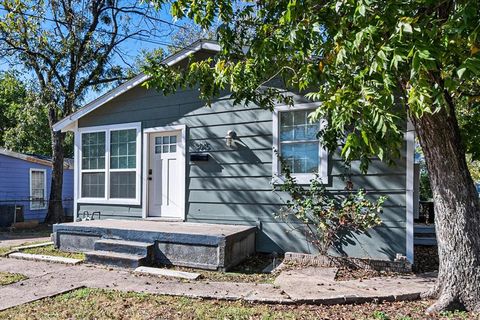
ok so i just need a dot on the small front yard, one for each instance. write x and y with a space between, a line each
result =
103 304
7 278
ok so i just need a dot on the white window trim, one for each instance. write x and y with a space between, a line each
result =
138 162
183 163
277 177
44 189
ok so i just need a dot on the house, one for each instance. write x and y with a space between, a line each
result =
145 156
25 187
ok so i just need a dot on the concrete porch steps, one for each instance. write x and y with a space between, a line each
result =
116 259
123 246
120 253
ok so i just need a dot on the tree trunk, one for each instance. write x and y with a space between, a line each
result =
55 207
457 212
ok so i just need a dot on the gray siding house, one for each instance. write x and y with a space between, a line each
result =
142 155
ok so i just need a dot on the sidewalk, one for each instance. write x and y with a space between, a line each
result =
17 239
310 285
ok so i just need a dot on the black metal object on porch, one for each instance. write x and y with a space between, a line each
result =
199 157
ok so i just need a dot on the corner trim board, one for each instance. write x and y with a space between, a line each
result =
409 192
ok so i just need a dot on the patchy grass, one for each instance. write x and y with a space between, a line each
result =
51 251
4 251
7 278
7 250
248 271
109 304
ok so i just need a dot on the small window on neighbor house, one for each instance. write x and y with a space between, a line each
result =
38 186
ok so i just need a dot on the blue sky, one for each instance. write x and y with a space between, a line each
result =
131 49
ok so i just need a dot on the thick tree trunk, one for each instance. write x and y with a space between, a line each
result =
457 212
55 207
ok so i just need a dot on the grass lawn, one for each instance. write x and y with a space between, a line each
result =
6 250
7 278
103 304
51 251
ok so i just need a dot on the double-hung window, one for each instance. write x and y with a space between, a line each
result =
296 141
110 164
38 189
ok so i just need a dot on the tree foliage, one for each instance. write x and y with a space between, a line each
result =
372 64
13 93
190 33
71 48
365 60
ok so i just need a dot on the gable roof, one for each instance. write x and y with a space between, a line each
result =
66 123
38 159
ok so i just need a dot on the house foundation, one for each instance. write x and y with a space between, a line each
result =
131 243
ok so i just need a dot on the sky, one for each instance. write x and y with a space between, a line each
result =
131 49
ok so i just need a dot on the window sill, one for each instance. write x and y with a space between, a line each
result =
135 202
301 179
37 209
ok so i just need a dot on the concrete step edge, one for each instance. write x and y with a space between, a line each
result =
116 255
125 243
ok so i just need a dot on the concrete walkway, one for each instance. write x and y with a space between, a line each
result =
310 285
14 240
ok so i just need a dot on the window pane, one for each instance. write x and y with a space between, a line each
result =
93 150
93 185
122 185
301 157
123 147
295 126
37 194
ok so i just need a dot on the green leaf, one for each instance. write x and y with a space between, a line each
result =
407 27
461 72
365 137
381 55
361 10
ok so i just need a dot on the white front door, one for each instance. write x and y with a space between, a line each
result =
164 173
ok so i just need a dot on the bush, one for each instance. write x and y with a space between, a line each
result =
326 218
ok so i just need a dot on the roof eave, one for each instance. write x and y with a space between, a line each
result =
67 123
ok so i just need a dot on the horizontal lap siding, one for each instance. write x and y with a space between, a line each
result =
233 187
15 185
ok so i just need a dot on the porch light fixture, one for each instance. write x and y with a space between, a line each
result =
231 135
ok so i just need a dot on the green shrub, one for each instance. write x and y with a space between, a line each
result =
327 218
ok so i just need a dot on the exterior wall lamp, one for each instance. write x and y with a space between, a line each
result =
229 138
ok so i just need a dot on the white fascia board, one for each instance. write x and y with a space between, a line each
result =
68 121
66 124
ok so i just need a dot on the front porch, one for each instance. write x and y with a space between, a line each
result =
132 243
